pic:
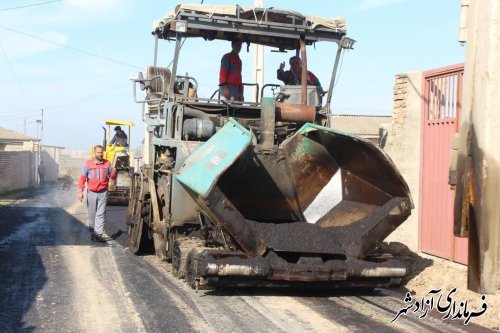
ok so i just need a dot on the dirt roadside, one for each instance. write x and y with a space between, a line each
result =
429 272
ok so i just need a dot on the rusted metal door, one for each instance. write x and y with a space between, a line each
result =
442 89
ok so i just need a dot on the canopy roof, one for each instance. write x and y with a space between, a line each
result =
120 122
273 27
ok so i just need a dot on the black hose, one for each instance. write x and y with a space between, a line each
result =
196 114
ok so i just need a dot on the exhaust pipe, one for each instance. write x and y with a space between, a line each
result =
267 123
104 141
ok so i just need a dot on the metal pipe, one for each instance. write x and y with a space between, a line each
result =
196 114
129 138
267 123
104 140
334 74
178 39
237 270
142 184
155 56
303 80
383 272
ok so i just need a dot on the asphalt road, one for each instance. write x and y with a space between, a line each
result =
54 279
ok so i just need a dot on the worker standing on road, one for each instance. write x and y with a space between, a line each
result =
230 81
96 173
42 171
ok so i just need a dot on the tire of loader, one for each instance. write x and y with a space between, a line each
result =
182 247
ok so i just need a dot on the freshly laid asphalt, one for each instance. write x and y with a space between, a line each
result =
53 278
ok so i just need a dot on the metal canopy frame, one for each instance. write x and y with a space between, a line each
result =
270 27
261 31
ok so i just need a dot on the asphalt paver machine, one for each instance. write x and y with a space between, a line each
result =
261 193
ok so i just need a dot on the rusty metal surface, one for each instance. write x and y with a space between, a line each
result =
310 165
303 74
273 267
362 191
295 112
308 273
230 265
345 213
118 198
363 236
264 198
330 169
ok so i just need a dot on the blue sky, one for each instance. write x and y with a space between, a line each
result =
80 90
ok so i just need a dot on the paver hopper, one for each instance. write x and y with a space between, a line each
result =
312 210
258 192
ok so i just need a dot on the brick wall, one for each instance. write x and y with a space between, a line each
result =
399 101
403 146
17 170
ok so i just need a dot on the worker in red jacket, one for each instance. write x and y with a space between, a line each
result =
230 83
96 173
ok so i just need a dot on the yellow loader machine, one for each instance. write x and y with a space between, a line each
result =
262 192
119 155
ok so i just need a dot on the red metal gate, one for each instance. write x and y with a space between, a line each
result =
442 89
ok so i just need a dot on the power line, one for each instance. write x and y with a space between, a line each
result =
21 116
71 48
15 76
17 111
31 114
86 98
13 115
31 5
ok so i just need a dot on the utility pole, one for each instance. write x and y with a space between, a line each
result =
41 136
24 126
258 59
38 123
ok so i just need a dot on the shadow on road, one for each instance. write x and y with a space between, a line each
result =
27 234
294 292
414 263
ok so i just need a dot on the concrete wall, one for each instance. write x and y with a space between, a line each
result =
403 146
71 165
480 137
19 146
12 147
50 155
17 169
